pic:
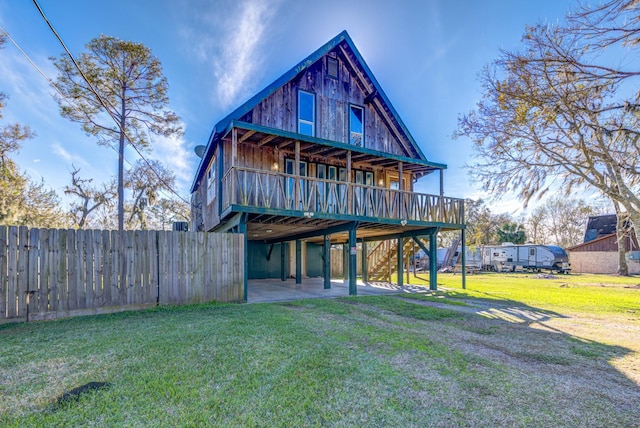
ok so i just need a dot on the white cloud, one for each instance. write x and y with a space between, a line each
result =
173 153
233 49
67 156
240 56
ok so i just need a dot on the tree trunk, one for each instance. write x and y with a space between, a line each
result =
121 163
621 236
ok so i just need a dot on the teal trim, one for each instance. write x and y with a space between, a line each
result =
340 217
329 143
305 235
409 234
423 247
433 261
229 224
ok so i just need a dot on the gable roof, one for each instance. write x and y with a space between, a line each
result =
599 226
243 109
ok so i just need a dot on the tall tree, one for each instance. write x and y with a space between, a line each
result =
511 232
543 123
482 224
126 80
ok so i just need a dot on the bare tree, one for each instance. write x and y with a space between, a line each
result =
145 183
90 197
544 124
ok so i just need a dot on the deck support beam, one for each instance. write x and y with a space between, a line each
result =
326 263
433 260
242 228
353 289
400 262
464 259
298 261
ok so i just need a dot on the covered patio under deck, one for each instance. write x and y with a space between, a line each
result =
349 234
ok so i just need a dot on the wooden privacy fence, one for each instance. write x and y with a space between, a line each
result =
52 273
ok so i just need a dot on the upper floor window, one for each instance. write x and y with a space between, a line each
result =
332 67
306 113
211 182
356 125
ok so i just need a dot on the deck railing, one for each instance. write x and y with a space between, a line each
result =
265 189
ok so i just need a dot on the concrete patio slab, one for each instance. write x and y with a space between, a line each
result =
276 290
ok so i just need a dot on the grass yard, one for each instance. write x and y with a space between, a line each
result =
508 351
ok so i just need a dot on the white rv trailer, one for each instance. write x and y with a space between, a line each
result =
531 257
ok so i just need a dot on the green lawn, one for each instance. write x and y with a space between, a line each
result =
594 294
364 361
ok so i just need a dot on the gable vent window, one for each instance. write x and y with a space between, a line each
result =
306 113
332 68
356 125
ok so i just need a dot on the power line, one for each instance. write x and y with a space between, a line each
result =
47 78
104 105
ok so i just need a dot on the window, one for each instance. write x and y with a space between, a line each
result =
296 201
306 113
332 67
356 125
211 182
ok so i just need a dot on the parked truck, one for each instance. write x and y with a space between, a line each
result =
531 257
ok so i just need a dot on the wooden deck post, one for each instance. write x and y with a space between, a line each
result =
298 261
283 275
242 228
327 262
433 260
353 289
400 250
464 260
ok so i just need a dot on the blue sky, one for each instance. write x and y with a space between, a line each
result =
217 53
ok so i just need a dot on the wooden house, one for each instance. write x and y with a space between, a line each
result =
320 157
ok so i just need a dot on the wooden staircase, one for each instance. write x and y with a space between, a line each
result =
382 260
451 258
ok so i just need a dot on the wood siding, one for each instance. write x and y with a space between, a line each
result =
74 272
333 97
606 243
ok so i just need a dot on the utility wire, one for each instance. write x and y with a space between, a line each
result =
104 105
47 78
